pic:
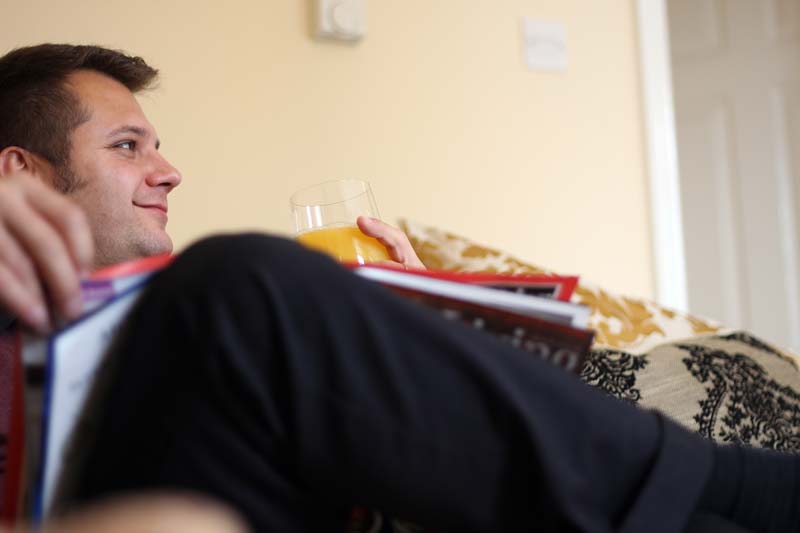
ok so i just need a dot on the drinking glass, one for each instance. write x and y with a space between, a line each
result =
325 220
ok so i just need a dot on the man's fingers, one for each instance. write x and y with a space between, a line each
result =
21 303
395 241
389 263
69 221
385 234
151 513
15 260
49 252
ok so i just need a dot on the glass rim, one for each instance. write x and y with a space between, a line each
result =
294 202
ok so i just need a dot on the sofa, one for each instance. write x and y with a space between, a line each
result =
729 386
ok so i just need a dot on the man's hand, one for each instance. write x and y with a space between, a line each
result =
146 513
395 241
45 247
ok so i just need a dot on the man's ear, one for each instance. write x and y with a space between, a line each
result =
14 159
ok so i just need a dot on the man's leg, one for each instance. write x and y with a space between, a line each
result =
268 376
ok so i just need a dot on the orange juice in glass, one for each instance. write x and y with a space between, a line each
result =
325 220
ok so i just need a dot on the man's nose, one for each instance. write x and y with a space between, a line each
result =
163 174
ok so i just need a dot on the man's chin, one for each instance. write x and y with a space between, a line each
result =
144 246
127 242
157 245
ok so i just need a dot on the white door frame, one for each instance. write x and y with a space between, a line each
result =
659 120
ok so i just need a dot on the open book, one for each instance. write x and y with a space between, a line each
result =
543 325
72 356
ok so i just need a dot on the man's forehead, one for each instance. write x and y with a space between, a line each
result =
111 106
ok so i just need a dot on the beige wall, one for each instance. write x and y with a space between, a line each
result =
435 107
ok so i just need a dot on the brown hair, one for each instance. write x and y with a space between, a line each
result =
39 113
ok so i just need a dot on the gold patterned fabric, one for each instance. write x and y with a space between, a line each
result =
620 322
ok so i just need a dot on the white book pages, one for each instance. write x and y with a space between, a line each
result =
73 358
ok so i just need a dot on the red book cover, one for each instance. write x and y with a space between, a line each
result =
12 428
135 266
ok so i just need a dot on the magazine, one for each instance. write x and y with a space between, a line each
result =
550 329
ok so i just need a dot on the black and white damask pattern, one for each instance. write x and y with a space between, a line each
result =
753 342
743 403
614 372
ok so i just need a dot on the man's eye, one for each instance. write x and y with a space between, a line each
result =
126 145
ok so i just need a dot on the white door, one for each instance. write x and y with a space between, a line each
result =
736 85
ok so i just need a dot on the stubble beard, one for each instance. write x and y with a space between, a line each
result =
67 180
111 248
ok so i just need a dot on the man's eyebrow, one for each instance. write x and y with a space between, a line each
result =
136 130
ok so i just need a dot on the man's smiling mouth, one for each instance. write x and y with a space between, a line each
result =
157 209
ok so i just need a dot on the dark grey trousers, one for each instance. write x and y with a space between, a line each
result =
271 378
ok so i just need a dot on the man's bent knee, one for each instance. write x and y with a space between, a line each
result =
227 259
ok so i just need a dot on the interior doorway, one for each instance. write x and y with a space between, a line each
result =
735 84
735 71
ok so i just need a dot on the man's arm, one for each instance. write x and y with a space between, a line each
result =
45 246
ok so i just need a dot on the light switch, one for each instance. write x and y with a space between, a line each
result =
341 19
545 44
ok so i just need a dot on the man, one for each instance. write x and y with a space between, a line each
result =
269 378
90 140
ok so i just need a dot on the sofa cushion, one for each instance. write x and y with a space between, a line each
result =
729 388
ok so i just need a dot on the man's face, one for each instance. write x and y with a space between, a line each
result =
123 179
